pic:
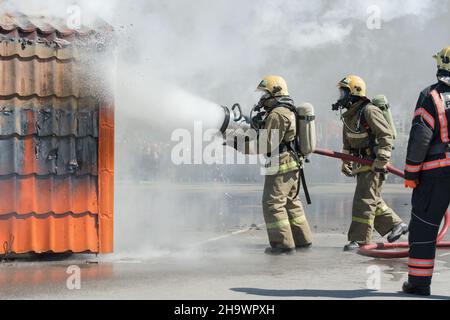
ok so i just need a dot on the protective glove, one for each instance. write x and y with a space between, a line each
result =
411 184
379 167
347 169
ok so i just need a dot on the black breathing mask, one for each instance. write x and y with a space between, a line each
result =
444 77
259 112
343 101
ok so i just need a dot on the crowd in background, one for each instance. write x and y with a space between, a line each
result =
144 158
150 160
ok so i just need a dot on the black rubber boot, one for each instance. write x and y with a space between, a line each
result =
352 246
304 247
279 251
398 231
417 290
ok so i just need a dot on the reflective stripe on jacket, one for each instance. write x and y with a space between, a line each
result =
429 128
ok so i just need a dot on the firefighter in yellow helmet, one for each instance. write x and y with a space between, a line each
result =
367 134
286 223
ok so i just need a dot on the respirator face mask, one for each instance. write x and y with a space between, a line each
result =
264 97
444 77
258 113
343 99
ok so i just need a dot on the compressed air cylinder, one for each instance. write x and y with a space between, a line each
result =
307 129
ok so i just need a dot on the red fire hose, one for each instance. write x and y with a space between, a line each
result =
381 250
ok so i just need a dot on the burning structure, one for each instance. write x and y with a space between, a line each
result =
56 138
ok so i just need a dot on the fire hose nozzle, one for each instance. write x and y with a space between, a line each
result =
234 118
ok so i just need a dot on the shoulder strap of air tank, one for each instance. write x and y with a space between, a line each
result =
305 186
363 122
295 153
285 105
362 115
294 148
302 177
362 112
441 115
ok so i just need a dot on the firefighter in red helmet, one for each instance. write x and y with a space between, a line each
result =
428 173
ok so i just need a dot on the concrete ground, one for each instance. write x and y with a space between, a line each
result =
222 258
217 270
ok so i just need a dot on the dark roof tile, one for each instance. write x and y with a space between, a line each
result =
42 78
26 49
48 155
48 117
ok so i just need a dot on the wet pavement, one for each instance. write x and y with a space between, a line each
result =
219 208
230 268
225 261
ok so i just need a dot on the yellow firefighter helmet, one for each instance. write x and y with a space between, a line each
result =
355 84
275 85
443 59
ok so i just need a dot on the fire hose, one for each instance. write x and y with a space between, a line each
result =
386 250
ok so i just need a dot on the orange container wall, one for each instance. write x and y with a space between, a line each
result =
106 178
56 144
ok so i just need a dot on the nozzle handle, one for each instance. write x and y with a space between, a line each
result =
226 121
238 107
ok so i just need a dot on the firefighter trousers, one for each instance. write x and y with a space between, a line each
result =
287 226
430 201
369 209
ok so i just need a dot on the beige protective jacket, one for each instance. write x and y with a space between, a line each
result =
358 133
279 127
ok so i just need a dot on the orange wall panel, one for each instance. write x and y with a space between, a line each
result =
42 195
49 233
106 178
56 142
